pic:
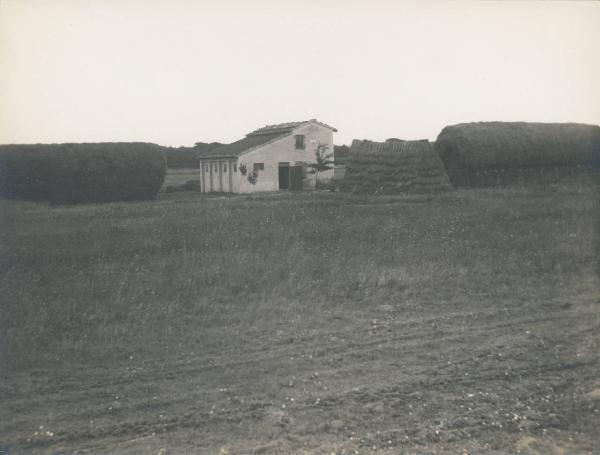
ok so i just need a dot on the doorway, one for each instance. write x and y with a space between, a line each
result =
296 178
284 176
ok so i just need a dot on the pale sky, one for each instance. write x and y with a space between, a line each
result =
176 72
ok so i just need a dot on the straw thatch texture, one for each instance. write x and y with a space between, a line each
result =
496 153
394 167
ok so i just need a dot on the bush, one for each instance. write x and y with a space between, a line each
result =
191 185
486 145
498 153
329 184
340 154
187 157
73 173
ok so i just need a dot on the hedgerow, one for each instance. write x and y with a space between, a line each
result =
74 173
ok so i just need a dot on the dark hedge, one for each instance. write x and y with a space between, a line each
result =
479 154
74 173
340 154
187 157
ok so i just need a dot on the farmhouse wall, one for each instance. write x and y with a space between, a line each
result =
217 175
284 150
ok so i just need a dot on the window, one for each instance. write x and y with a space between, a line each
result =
234 167
206 167
216 167
300 141
259 167
225 168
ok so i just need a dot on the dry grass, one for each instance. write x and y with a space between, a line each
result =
73 274
406 307
177 177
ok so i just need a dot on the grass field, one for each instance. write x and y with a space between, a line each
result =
302 323
176 177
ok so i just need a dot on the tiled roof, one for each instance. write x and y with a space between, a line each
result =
286 127
274 129
238 147
256 138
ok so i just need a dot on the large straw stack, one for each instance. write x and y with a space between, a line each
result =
497 153
394 167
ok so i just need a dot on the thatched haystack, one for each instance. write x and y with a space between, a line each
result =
497 153
394 167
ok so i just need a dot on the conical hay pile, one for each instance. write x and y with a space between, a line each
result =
394 167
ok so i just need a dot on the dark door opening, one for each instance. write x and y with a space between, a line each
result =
296 178
284 176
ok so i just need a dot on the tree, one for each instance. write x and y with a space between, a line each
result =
323 161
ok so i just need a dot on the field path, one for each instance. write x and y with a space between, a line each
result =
393 378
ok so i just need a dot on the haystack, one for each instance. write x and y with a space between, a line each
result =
489 153
394 167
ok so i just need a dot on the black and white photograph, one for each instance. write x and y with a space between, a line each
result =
260 227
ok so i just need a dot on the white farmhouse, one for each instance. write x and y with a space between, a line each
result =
274 157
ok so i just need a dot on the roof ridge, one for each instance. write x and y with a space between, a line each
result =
257 138
277 127
286 127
